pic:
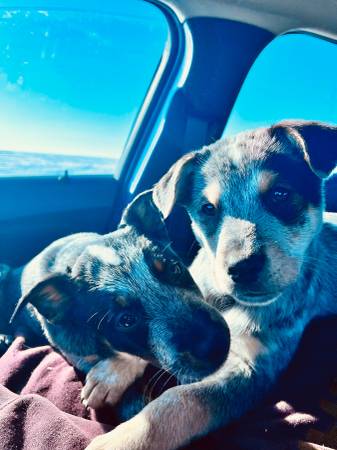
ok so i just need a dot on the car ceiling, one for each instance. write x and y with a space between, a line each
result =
318 16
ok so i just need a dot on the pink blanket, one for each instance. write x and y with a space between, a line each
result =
40 405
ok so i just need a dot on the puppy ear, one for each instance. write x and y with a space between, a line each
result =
318 142
176 185
145 217
52 297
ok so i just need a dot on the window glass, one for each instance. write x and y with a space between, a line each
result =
71 84
295 77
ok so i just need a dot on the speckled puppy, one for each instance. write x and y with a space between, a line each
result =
109 303
266 259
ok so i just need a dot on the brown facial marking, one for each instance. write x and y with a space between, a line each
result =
90 358
121 301
266 180
159 265
212 193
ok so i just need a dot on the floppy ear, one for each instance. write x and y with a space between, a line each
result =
176 185
52 297
318 142
145 217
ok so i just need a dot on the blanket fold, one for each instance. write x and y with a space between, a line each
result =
40 406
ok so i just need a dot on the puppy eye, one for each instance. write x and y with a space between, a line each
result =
175 268
126 321
284 203
279 194
208 209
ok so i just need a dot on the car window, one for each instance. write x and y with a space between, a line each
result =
295 77
71 84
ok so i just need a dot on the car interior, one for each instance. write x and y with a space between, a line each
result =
126 109
211 48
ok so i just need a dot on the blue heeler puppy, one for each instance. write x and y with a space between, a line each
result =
110 303
267 260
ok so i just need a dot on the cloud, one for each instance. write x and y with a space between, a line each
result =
8 86
43 13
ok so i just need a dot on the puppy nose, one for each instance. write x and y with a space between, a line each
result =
247 270
206 338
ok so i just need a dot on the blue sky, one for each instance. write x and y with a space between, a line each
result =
72 82
294 77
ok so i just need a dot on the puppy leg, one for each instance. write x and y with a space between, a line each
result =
175 417
188 411
108 379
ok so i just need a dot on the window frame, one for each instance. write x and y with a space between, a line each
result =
141 133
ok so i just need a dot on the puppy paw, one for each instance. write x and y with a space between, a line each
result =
96 393
107 381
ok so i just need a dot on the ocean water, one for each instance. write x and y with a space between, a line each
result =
13 163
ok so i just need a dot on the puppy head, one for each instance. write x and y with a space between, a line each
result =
131 294
144 284
256 204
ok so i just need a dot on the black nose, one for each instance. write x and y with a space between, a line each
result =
206 338
247 270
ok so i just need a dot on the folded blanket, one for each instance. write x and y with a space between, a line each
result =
40 406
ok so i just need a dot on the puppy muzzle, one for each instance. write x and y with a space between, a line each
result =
195 347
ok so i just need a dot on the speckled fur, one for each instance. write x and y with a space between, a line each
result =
74 291
296 284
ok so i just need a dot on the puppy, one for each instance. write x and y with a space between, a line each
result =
267 261
109 303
